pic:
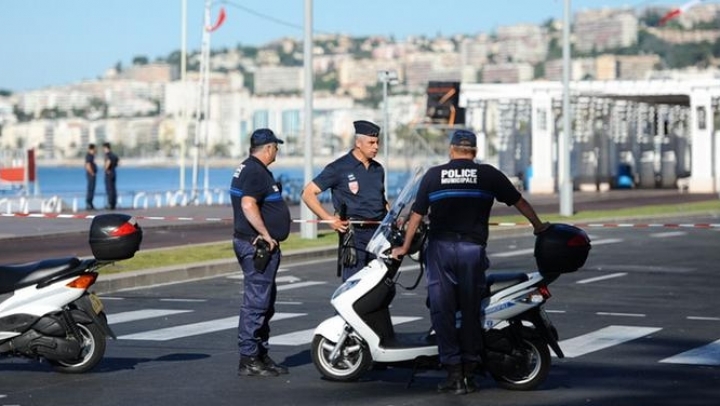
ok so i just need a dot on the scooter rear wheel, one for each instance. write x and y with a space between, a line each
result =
532 368
92 351
354 359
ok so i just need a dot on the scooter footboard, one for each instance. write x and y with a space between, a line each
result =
331 328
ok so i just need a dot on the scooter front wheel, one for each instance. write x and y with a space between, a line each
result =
352 361
92 351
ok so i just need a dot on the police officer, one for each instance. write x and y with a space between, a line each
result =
459 196
261 221
357 182
91 176
111 163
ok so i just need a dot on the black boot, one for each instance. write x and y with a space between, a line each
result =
469 369
253 366
280 369
454 383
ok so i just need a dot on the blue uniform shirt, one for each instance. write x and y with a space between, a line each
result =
459 196
361 189
253 179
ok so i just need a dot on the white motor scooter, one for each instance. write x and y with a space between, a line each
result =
517 330
49 312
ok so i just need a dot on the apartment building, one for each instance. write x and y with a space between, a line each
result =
625 67
507 73
278 79
580 69
521 43
599 30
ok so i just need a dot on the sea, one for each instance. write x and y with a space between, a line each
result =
157 183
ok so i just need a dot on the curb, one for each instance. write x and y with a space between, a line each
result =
120 281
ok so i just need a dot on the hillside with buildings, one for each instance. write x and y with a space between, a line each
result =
147 111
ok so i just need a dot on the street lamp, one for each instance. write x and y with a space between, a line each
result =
386 77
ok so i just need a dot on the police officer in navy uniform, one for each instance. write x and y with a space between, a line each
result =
91 176
111 163
357 181
260 213
458 196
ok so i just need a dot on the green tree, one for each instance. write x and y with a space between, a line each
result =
140 60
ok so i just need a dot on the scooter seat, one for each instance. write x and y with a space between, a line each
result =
14 277
502 280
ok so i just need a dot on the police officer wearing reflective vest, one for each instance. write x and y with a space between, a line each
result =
357 183
458 196
261 221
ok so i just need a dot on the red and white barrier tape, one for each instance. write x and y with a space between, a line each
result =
501 224
623 225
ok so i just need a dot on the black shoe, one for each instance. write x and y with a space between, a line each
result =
469 375
253 366
270 364
455 382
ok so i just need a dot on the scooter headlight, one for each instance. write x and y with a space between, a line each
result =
345 287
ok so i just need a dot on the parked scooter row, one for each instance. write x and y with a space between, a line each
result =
50 313
518 333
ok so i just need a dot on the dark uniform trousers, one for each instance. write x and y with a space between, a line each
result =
362 238
111 190
90 193
258 305
456 281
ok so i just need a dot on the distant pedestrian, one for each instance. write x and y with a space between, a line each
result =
261 221
357 183
111 163
91 176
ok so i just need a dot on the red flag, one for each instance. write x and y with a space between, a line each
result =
676 12
218 23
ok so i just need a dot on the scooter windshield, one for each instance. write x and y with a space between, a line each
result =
391 231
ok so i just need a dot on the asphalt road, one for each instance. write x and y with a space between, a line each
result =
656 287
25 239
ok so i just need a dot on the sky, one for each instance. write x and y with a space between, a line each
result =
57 42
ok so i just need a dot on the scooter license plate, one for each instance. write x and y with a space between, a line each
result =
97 305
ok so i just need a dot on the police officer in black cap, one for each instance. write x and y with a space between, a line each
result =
459 196
357 183
261 221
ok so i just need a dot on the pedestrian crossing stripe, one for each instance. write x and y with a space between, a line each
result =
594 341
188 330
136 315
603 338
303 337
705 355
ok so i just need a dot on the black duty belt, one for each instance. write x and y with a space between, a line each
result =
245 237
451 236
371 223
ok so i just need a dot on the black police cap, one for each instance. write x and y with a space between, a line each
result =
366 128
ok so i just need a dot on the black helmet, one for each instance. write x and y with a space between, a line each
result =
561 248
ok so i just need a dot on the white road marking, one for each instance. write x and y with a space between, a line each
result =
606 241
184 300
528 251
289 303
304 337
620 314
135 315
188 330
287 279
705 355
603 338
602 278
299 285
555 311
668 234
701 318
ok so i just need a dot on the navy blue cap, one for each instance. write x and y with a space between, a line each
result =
464 138
263 136
366 128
